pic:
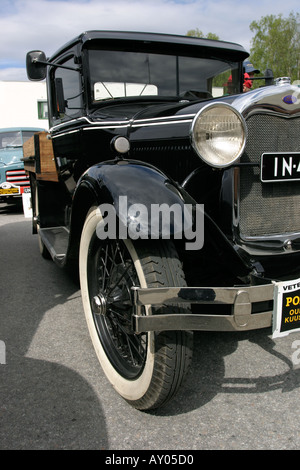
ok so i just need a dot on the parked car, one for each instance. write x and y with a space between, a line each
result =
13 180
174 195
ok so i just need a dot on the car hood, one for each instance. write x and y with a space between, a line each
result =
283 95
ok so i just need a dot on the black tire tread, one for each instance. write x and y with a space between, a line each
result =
173 353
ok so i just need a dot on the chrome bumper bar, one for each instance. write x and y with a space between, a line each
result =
241 299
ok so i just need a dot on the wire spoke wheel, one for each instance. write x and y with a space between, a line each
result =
145 369
111 274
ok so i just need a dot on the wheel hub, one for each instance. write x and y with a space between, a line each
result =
99 304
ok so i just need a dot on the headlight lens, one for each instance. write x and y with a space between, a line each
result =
218 134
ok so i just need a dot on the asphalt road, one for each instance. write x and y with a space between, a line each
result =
243 390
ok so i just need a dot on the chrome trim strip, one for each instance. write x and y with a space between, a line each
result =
92 123
126 123
65 133
183 117
162 123
119 126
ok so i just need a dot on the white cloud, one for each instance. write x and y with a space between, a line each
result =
46 25
13 74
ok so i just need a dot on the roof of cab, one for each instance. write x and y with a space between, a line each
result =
17 129
218 48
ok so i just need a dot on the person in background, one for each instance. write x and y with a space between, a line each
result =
247 85
249 72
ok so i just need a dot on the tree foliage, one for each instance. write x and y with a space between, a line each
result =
199 34
276 45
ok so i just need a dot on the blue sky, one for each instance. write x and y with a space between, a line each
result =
48 24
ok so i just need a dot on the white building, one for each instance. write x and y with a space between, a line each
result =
23 104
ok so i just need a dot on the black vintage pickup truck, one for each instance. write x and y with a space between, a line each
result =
173 194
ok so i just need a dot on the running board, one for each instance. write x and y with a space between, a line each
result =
56 241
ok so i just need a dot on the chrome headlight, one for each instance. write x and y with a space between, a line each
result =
218 134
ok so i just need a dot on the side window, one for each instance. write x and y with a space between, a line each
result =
42 110
70 81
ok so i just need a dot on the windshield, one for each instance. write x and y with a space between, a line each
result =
13 139
10 141
116 74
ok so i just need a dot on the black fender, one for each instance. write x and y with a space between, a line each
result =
106 184
129 186
125 186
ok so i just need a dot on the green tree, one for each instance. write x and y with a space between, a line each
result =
276 45
199 34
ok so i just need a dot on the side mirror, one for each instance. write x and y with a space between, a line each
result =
36 65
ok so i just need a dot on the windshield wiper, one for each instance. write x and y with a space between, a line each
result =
138 99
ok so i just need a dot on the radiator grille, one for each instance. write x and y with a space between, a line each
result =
17 177
268 209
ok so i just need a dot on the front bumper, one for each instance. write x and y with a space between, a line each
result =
241 299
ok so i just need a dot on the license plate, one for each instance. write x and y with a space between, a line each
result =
8 191
286 318
283 166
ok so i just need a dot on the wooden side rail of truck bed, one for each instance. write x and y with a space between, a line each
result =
39 157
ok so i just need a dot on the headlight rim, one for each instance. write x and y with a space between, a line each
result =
193 141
